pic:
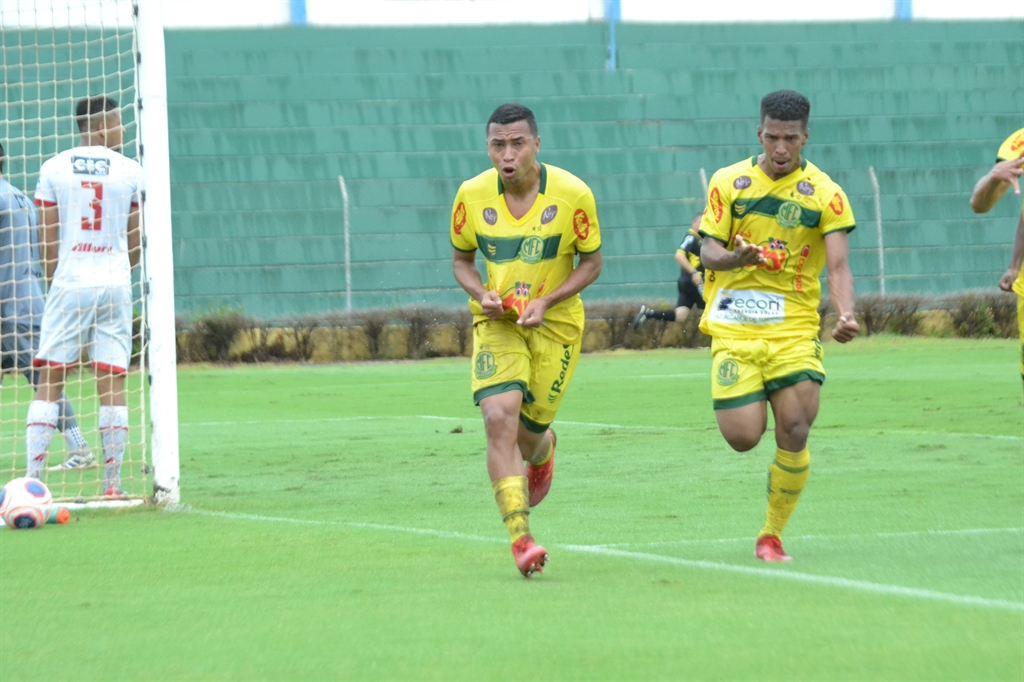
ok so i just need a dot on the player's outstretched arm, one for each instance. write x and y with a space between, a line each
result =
715 256
1016 258
468 277
840 285
991 187
49 238
579 279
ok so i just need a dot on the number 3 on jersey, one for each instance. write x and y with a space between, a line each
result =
95 223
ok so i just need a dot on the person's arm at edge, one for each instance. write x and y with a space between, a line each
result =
49 235
134 237
840 285
993 185
588 270
714 255
1016 257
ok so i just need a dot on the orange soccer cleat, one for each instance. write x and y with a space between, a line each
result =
538 476
530 558
769 548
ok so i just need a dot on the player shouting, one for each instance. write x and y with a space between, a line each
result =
88 199
530 221
771 223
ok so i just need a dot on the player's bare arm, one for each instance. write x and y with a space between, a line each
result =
715 256
468 277
840 285
585 273
49 240
134 238
1016 258
993 185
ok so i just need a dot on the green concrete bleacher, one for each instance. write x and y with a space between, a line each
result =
264 121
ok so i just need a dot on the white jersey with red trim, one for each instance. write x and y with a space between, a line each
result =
94 190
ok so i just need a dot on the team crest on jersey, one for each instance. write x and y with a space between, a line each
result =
788 214
490 216
531 250
548 215
581 224
742 182
837 205
485 365
88 165
715 203
805 188
459 219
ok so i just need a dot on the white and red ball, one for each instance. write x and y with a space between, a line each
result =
25 503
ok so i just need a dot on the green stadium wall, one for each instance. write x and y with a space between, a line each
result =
262 123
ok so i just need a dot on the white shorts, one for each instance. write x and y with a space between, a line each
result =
98 319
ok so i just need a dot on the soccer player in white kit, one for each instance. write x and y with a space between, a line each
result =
88 199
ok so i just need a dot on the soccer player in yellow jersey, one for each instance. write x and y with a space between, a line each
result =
987 192
771 223
530 221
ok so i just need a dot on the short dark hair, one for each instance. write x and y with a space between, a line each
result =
785 105
512 112
88 107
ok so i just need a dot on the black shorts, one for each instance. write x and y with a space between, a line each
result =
689 296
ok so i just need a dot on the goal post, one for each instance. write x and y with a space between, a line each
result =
55 53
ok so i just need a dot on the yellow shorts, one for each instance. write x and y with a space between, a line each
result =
745 371
1020 327
507 357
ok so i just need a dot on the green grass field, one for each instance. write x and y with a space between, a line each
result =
340 524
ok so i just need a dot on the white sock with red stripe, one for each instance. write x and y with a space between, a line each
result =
39 428
114 435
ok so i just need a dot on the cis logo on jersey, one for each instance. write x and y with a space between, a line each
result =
581 224
459 219
88 165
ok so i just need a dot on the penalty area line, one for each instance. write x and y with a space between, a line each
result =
604 550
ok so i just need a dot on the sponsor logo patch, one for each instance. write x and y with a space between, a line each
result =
531 250
742 182
90 166
485 366
517 297
837 204
548 215
738 306
1018 143
775 255
715 203
728 373
459 218
559 384
581 224
805 188
490 216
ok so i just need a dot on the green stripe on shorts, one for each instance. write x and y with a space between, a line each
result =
531 425
488 391
794 378
730 403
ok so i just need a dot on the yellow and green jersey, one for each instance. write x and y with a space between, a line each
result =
788 218
532 255
1013 148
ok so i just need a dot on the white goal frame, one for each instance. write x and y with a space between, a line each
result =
158 289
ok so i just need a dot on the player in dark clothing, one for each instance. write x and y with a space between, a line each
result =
690 283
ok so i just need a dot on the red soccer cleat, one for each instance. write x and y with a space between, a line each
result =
530 558
538 476
769 548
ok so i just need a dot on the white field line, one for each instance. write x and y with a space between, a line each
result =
824 431
604 550
826 538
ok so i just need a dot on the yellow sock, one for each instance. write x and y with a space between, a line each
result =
787 476
551 451
512 496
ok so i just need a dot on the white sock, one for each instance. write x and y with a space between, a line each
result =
75 440
39 428
114 434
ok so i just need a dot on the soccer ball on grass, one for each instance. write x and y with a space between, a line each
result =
25 503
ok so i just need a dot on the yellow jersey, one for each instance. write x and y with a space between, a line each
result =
532 255
1013 148
788 218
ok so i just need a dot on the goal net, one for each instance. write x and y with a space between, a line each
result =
54 53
